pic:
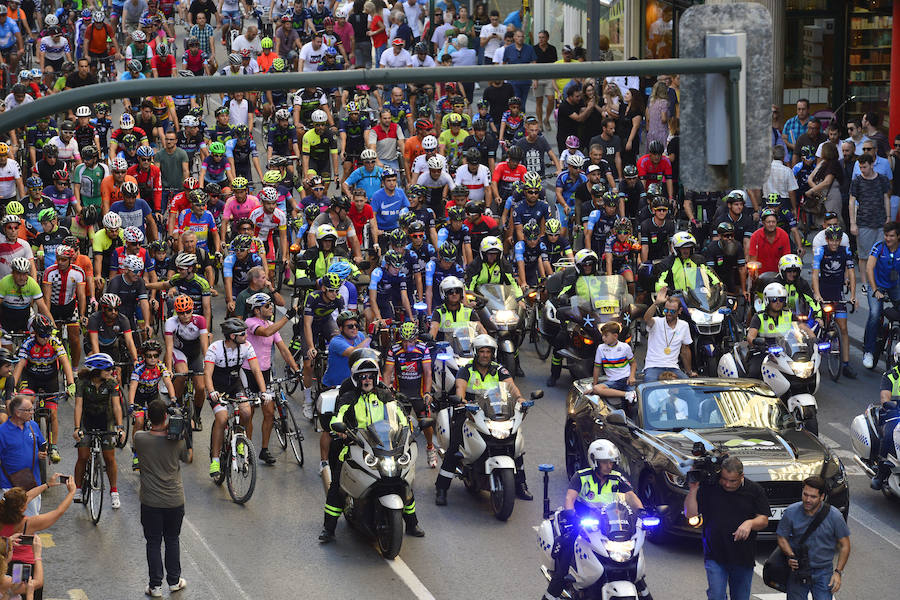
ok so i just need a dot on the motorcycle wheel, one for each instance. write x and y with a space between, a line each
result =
503 497
574 459
834 356
388 531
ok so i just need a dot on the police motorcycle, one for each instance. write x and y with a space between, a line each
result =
377 475
608 558
450 356
503 319
492 441
597 299
714 332
790 367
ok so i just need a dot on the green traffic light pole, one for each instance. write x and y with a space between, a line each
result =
730 67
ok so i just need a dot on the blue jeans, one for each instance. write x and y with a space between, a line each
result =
653 373
737 578
619 384
874 321
521 89
818 586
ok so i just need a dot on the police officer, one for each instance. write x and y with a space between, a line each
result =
889 418
776 321
483 374
586 263
590 488
357 409
679 272
452 313
797 288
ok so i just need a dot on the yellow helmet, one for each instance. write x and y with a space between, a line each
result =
15 208
4 148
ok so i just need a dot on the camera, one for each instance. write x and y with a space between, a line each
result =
175 428
705 466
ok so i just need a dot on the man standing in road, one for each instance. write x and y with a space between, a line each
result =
572 113
22 447
812 562
162 495
734 509
543 88
870 203
611 143
796 126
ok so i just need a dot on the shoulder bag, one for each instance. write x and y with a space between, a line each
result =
776 570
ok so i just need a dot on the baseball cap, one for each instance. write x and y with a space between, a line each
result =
593 168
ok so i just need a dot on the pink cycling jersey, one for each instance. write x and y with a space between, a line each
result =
261 344
234 210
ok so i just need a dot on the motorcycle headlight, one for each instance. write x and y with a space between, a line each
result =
619 551
403 460
590 524
388 466
506 317
702 318
802 369
370 460
500 430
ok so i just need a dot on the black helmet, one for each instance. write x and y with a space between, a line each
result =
233 326
474 207
833 232
473 156
630 171
655 147
420 48
212 189
515 153
610 199
459 190
151 345
311 212
448 251
89 152
659 202
725 228
340 202
416 227
6 357
90 215
598 189
514 100
456 213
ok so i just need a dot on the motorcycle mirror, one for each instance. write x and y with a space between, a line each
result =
662 509
339 427
616 417
426 423
537 394
637 310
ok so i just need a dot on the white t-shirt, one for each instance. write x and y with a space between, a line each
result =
413 16
9 173
615 360
312 57
390 59
660 337
67 151
11 100
428 62
241 42
238 112
224 357
487 31
475 183
498 54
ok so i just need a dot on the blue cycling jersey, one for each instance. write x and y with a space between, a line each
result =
525 212
387 208
367 180
239 271
832 267
388 290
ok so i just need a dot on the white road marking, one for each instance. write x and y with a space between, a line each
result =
842 428
406 575
225 569
875 525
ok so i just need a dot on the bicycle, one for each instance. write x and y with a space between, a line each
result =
92 483
237 458
889 332
286 429
832 335
186 402
43 418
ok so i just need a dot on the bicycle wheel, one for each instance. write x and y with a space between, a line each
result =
242 474
281 426
541 344
291 386
293 434
833 357
96 485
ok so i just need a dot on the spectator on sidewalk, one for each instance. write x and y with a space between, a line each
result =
543 88
520 53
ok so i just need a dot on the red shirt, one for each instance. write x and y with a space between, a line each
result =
502 172
380 39
163 67
360 218
768 254
648 171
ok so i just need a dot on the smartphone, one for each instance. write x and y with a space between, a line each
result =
17 573
26 540
63 479
26 572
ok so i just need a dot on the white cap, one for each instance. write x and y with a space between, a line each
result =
593 168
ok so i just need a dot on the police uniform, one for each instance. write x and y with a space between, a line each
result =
449 320
680 274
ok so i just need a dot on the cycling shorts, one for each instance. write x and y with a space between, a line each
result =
41 384
231 16
322 334
194 363
251 380
63 312
14 320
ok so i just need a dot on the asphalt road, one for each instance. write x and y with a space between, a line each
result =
268 547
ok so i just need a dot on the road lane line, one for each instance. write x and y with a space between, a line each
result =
842 428
874 524
402 570
225 569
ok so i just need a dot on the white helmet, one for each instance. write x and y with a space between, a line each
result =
429 142
51 20
268 194
484 341
326 231
190 121
318 116
575 160
789 261
126 121
368 154
341 13
112 220
683 239
436 162
185 260
451 283
83 111
602 450
364 365
490 243
118 164
896 353
774 290
132 263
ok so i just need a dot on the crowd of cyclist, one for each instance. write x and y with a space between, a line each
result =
373 206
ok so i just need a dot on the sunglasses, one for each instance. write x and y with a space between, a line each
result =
868 149
661 209
781 299
417 236
454 292
120 172
670 311
109 309
351 325
318 189
153 355
364 376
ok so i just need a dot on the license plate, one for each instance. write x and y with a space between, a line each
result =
607 310
776 513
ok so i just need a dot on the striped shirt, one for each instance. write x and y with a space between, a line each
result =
615 360
203 36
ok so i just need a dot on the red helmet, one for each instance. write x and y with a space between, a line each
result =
191 183
328 21
65 252
60 175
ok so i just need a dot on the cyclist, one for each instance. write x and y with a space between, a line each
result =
85 264
135 211
139 50
110 185
242 154
368 176
187 340
187 281
191 139
267 219
214 167
64 286
130 286
318 326
11 44
240 205
531 207
457 233
108 330
618 250
222 375
41 357
319 148
566 185
134 246
388 296
46 241
143 388
558 247
337 216
354 131
358 408
61 194
236 268
441 267
100 42
19 292
262 333
200 221
105 243
508 172
98 407
180 202
282 140
12 246
37 136
88 177
832 266
148 177
532 264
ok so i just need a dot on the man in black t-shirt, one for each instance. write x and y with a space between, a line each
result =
570 114
82 76
207 7
734 509
611 144
485 142
497 96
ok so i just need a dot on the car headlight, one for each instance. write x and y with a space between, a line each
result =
506 317
678 481
500 430
619 551
834 473
802 369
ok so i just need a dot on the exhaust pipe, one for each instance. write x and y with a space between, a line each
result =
864 466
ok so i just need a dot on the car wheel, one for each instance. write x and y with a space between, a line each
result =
651 498
574 454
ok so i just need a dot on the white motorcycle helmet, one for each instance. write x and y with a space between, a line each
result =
602 450
451 283
774 290
484 341
896 353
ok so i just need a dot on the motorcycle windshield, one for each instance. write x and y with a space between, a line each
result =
498 296
385 435
703 293
617 522
461 337
497 403
604 294
797 344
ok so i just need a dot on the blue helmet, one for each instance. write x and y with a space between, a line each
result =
342 269
100 361
330 51
145 152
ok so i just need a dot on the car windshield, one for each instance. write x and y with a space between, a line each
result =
498 296
677 407
603 294
386 432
